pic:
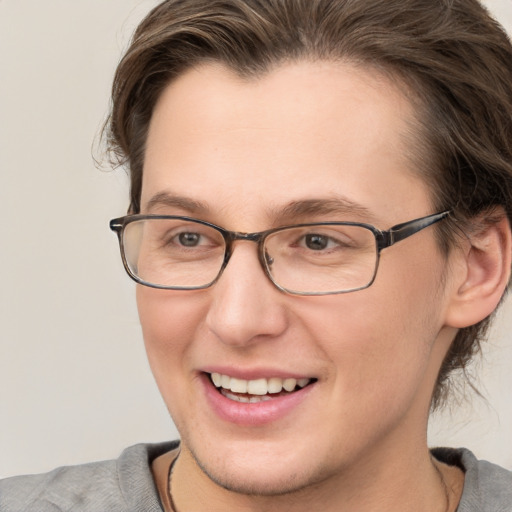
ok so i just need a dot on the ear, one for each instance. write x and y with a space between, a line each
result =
481 271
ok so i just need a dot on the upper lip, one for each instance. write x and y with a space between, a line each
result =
256 373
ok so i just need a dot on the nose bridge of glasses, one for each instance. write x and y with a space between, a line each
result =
234 236
258 237
250 237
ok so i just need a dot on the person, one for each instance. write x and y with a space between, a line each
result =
319 226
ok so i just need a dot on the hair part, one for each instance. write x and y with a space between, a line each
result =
452 60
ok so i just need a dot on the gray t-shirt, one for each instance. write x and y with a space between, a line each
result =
126 485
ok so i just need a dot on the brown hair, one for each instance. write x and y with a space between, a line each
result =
453 58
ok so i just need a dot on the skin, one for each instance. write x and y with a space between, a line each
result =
245 150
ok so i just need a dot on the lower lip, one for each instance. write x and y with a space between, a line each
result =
247 414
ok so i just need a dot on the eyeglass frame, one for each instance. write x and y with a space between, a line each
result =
383 239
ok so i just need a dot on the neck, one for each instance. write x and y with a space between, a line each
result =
427 486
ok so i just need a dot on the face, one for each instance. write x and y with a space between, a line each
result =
243 155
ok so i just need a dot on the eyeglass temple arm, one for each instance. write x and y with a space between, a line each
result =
406 229
116 224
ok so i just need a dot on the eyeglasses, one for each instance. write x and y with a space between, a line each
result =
182 253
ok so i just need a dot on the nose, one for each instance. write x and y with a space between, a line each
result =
245 306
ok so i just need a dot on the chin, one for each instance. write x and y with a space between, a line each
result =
259 485
274 476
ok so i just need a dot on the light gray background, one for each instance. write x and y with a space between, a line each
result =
74 382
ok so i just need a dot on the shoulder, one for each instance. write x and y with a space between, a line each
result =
124 484
487 484
487 487
59 490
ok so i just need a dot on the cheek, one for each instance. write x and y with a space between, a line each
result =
380 340
169 320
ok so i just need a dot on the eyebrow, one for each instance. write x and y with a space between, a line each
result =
339 206
165 199
294 210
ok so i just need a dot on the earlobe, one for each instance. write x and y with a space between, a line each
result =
483 272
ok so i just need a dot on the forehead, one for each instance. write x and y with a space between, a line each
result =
303 131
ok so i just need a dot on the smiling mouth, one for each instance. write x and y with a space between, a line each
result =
258 390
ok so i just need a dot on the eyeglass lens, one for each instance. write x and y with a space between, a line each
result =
320 258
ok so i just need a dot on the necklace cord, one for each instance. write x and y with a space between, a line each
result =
168 488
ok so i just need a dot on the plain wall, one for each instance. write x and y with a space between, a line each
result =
74 382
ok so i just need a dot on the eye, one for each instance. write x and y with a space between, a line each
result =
317 242
189 239
320 242
327 240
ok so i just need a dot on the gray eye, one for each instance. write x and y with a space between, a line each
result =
189 239
316 242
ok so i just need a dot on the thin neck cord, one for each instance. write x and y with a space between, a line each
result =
169 476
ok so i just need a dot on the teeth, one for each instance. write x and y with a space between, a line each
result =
258 387
238 385
216 379
224 381
274 385
289 384
245 399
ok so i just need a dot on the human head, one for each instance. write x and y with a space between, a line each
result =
451 59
